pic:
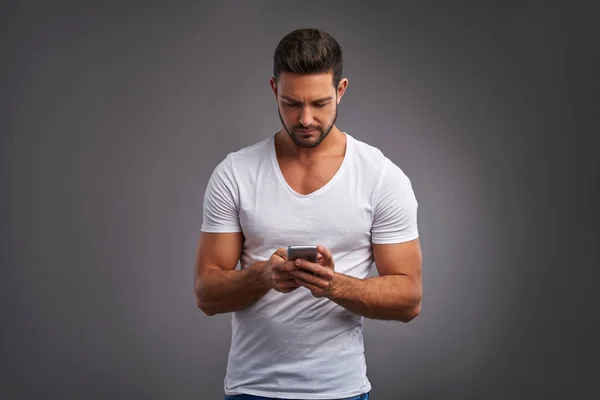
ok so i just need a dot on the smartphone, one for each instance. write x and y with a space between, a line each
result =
308 253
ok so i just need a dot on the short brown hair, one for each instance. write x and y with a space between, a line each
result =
308 51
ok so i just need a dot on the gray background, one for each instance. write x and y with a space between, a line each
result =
113 117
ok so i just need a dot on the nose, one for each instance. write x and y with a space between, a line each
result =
306 117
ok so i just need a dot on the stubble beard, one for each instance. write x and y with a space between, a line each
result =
306 143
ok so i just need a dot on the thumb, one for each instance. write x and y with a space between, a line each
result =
326 254
281 252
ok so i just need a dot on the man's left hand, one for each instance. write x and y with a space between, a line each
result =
317 277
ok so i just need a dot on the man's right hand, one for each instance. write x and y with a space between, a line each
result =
276 272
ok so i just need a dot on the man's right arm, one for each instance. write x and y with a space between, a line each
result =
219 287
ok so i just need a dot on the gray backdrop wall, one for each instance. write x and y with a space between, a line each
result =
113 117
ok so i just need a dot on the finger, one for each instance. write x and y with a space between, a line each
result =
310 278
288 289
284 282
283 278
289 266
281 252
327 256
284 266
287 284
315 290
282 275
318 269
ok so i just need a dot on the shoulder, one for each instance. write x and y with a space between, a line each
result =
244 158
252 152
384 173
366 154
374 161
228 178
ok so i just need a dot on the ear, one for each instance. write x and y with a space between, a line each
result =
341 89
273 83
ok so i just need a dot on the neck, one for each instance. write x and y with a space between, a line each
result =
334 143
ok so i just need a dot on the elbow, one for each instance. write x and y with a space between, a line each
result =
201 302
205 307
414 309
411 313
208 312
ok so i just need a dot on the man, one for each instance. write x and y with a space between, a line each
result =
297 326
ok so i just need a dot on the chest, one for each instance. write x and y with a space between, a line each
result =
305 180
274 214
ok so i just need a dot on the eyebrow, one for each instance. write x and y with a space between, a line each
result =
315 101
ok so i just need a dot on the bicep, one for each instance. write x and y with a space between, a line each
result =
395 208
399 259
395 235
221 201
221 237
218 251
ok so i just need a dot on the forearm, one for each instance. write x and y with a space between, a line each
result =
222 291
390 297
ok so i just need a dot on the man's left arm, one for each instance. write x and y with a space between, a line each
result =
393 295
396 293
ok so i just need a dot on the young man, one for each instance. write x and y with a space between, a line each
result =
297 326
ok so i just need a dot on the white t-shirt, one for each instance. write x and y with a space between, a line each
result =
293 345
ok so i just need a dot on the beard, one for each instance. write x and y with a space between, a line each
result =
309 142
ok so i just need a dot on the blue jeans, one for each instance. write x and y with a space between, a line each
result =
364 396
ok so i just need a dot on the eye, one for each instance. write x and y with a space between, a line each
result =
321 105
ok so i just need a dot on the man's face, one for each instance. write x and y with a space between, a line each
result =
307 106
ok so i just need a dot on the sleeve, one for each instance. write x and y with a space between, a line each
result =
395 207
221 200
